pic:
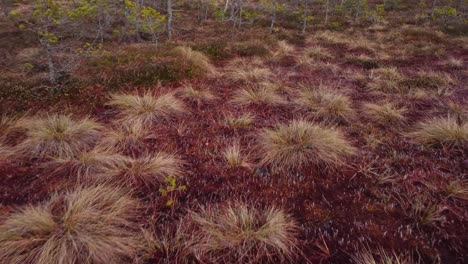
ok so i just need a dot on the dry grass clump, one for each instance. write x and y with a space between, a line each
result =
57 136
199 62
250 74
197 96
259 95
455 63
332 38
429 80
327 104
147 109
5 152
317 52
300 143
386 80
380 256
386 113
242 121
457 189
244 234
148 170
88 225
234 157
128 139
282 51
364 61
87 165
446 132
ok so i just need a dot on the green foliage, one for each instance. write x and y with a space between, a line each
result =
170 189
144 18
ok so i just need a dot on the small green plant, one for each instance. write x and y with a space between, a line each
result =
170 188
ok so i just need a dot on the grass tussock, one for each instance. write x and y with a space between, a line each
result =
234 157
148 170
455 63
386 80
386 113
196 95
147 109
301 143
56 136
88 165
243 70
88 225
429 81
259 95
318 52
199 63
380 256
244 120
128 139
327 104
242 233
446 132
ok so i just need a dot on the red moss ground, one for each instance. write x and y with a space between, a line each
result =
341 208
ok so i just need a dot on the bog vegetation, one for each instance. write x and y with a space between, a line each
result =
236 131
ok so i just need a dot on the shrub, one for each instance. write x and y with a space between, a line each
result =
147 109
446 132
88 225
386 113
57 136
300 143
147 170
243 121
197 96
259 95
242 233
199 64
323 103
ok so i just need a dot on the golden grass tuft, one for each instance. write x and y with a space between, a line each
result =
446 132
385 114
148 170
147 109
386 80
88 225
200 62
259 95
327 104
380 256
455 63
282 50
234 157
243 70
244 234
196 95
87 165
56 136
128 139
317 52
301 143
244 120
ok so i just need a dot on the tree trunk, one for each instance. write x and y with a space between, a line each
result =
169 19
326 12
273 16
